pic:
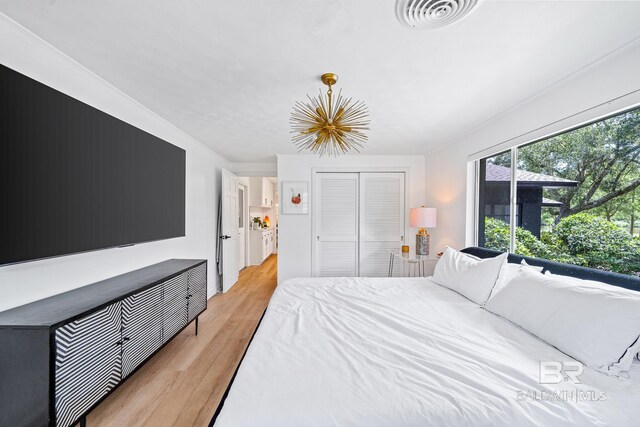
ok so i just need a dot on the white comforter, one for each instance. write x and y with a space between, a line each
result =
407 352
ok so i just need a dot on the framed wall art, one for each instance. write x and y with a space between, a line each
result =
295 197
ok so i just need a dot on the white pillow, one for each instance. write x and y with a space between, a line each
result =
508 272
472 278
634 349
595 323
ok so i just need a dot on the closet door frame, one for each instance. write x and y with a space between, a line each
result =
315 200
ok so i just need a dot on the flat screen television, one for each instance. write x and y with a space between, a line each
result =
75 179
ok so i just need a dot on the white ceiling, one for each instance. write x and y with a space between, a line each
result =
228 72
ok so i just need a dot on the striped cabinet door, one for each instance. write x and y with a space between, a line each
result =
141 327
174 305
197 303
197 278
197 290
88 362
175 288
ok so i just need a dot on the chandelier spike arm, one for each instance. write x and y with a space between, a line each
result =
305 110
321 108
356 112
302 112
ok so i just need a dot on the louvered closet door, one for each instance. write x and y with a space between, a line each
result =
381 221
141 327
336 225
174 306
88 362
197 290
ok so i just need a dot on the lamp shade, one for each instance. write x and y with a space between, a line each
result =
423 217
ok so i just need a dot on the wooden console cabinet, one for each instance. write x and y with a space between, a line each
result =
61 356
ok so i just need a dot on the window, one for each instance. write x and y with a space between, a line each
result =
576 197
241 208
494 195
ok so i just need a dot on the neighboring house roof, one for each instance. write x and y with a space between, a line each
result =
551 203
496 173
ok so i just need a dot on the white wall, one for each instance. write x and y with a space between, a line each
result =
609 85
295 231
26 282
254 169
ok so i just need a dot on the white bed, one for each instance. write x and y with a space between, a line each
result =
407 352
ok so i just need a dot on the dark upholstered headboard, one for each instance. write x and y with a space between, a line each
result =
615 279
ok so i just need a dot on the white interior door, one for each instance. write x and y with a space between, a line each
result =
382 216
242 208
229 232
336 224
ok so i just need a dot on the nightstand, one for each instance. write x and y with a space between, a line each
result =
413 265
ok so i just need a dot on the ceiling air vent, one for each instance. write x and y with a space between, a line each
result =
432 14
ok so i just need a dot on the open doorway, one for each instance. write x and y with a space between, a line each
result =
248 224
261 235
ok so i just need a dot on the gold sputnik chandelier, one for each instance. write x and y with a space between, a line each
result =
327 126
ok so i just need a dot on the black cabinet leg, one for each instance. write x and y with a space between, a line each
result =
196 326
83 421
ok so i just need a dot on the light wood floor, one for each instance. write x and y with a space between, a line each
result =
183 383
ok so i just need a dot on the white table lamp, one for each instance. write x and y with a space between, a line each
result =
423 218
